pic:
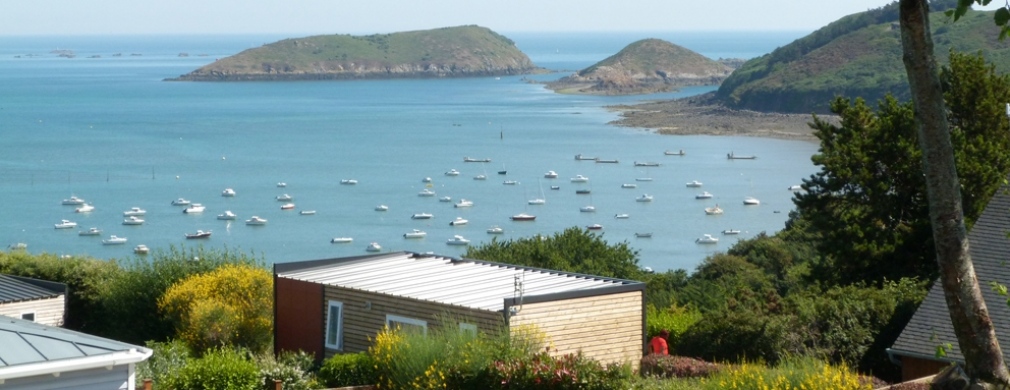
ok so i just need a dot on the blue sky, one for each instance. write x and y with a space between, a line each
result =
303 17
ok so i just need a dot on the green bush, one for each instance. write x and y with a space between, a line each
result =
545 371
291 368
349 369
221 369
675 319
168 358
734 336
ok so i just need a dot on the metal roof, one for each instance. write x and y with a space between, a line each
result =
462 282
27 343
15 289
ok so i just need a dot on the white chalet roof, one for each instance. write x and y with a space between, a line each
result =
468 283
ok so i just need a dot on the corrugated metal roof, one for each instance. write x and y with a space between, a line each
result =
467 283
26 342
930 326
16 290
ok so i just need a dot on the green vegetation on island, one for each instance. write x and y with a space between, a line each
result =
464 51
645 66
856 56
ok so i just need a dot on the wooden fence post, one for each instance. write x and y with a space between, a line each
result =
148 385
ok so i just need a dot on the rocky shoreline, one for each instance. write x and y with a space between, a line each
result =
704 115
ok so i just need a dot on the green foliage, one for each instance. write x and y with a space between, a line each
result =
350 369
220 369
868 202
668 366
444 357
735 336
661 288
573 250
135 293
793 373
168 358
229 306
291 368
546 371
675 319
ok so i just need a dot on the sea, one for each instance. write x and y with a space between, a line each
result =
104 126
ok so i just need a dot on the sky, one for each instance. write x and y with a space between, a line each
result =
307 17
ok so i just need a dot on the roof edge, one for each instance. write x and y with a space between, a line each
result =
917 355
118 358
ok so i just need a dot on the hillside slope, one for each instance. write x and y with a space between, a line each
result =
445 52
856 56
645 66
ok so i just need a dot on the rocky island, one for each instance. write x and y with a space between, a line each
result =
465 51
645 66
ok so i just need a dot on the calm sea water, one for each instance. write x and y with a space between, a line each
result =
109 130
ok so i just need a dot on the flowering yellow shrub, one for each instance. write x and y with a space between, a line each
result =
229 306
803 375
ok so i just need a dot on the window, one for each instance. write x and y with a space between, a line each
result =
335 325
470 329
407 324
28 316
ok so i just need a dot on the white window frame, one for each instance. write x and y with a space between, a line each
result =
465 327
33 314
339 345
390 318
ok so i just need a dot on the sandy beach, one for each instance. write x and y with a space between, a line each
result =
702 115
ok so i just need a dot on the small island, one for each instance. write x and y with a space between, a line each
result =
465 51
645 66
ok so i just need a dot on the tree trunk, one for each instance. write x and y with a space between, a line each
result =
976 336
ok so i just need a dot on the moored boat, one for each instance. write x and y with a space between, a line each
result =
733 156
458 221
198 234
194 208
587 209
703 195
646 164
551 175
141 249
341 240
463 203
523 217
90 232
134 211
281 184
579 179
694 183
677 153
307 212
457 240
348 182
583 192
452 172
644 198
594 226
228 193
73 201
415 234
707 239
227 216
133 221
422 216
731 231
510 182
181 202
445 199
288 206
582 157
66 224
495 230
114 240
644 235
629 185
381 207
608 161
255 221
713 210
751 201
470 159
621 216
426 193
85 208
373 247
284 198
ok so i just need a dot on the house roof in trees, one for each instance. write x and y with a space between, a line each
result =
18 289
468 283
930 326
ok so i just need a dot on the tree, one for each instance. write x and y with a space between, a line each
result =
869 200
970 318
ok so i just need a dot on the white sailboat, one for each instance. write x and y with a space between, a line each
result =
542 199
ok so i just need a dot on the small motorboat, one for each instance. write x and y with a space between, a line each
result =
707 239
579 179
457 240
341 240
373 247
510 182
621 216
90 232
426 193
452 172
555 188
713 210
194 208
181 202
426 180
643 179
73 201
750 201
471 159
445 199
795 187
348 182
17 246
629 185
381 207
198 234
134 211
85 208
644 198
463 203
587 209
66 224
141 249
284 198
703 195
594 226
415 234
495 230
694 183
677 153
730 231
646 164
523 217
256 221
551 175
288 206
537 201
422 216
458 221
114 240
307 212
281 184
733 156
133 220
227 216
580 157
644 235
583 192
228 193
480 177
